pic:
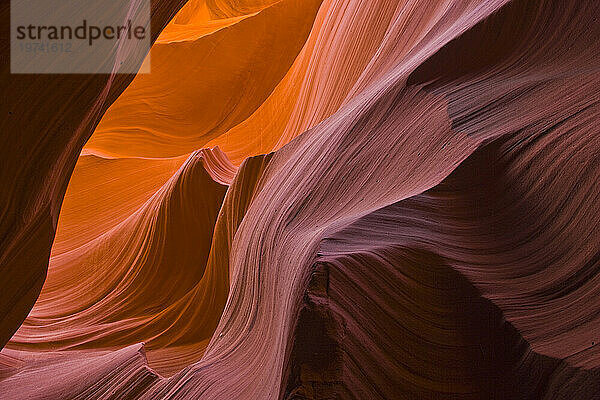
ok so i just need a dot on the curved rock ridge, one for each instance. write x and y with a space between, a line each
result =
117 289
103 192
423 222
80 375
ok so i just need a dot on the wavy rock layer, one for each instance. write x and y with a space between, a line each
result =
427 226
144 265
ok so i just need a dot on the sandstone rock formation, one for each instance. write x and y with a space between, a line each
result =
313 200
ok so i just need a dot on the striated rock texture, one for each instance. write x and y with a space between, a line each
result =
336 199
